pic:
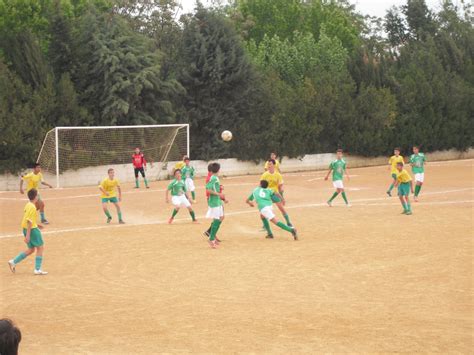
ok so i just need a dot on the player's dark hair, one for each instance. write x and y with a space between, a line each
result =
416 146
111 169
397 148
31 196
35 165
400 163
209 167
10 337
186 159
263 184
339 150
215 167
176 171
272 161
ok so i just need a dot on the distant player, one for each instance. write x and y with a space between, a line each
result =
33 179
273 156
418 161
264 198
208 194
32 233
393 161
405 185
188 176
179 165
215 209
139 166
179 196
108 187
338 168
275 183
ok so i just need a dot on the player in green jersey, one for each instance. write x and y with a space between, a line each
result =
418 161
264 198
215 209
187 171
338 168
179 196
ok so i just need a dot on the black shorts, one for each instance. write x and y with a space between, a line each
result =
139 170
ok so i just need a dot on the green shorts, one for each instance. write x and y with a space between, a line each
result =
276 199
110 199
36 240
394 176
404 189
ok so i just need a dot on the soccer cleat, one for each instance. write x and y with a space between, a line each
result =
212 244
109 219
206 234
148 187
170 220
348 205
40 272
329 203
290 225
269 236
121 222
404 212
408 213
44 221
295 235
389 194
416 198
11 265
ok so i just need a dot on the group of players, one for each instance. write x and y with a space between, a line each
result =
269 192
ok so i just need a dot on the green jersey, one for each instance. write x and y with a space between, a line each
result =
338 167
417 162
214 185
262 196
177 187
187 172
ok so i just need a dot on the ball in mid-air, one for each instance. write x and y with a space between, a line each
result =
226 136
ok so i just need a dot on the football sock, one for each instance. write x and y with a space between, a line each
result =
266 225
146 182
404 206
193 216
417 189
193 195
334 196
119 215
19 257
344 197
137 184
390 188
38 261
43 218
287 218
408 207
284 226
175 212
215 227
107 213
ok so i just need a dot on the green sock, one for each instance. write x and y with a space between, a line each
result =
284 226
193 216
146 182
417 189
390 188
287 218
19 257
175 212
107 213
38 261
119 215
404 206
215 227
137 184
408 207
334 196
193 195
266 225
344 197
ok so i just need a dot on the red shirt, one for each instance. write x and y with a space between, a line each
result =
138 160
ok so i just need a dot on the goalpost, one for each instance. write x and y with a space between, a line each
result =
74 148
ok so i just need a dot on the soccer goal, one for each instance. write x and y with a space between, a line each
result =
75 148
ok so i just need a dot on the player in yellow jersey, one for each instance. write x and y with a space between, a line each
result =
405 185
180 165
275 183
33 180
273 156
32 233
392 162
108 187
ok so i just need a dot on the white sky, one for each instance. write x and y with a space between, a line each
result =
366 7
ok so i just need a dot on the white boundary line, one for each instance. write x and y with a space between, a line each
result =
310 205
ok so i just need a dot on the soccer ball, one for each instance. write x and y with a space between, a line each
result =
226 136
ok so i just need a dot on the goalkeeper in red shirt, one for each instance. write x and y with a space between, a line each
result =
139 165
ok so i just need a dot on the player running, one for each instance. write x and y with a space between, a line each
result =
393 161
179 196
33 179
275 183
405 185
338 168
215 209
32 233
188 175
264 198
139 166
418 161
273 156
108 187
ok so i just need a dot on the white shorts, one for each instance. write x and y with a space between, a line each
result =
215 212
189 184
267 212
338 184
420 177
179 201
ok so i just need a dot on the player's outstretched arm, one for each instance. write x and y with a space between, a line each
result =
46 184
120 193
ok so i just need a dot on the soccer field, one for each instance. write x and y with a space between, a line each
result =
359 279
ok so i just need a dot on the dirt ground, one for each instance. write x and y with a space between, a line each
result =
360 279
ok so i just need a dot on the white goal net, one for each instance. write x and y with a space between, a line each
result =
73 148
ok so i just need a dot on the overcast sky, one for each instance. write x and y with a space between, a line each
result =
366 7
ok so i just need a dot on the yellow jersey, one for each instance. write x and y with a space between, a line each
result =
32 180
393 161
403 176
277 166
110 187
274 180
179 165
29 214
